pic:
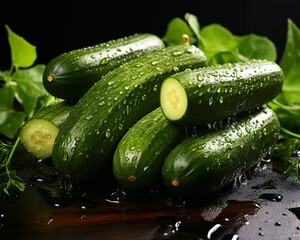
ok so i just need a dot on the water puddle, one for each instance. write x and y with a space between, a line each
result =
224 226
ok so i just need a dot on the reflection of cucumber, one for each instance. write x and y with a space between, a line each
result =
140 154
214 93
202 164
71 74
89 136
38 133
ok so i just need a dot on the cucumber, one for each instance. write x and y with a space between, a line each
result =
213 93
202 164
70 75
38 133
89 136
140 154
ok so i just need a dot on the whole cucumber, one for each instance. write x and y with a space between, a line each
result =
70 75
202 164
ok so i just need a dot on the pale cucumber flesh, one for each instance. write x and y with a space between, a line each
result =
173 99
37 136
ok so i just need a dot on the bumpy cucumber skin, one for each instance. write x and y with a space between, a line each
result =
55 113
88 137
217 92
202 164
140 154
74 72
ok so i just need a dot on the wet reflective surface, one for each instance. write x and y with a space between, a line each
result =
262 204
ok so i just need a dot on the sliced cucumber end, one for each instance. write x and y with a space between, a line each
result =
173 99
38 136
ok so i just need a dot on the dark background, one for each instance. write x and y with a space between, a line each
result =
56 26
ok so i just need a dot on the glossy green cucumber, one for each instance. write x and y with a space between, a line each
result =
213 93
140 154
202 164
70 75
89 136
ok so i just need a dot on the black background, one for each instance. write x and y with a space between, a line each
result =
55 26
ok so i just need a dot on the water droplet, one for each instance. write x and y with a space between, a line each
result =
221 99
107 133
265 131
177 53
104 61
65 157
275 197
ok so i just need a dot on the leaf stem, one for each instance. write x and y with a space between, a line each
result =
11 153
290 133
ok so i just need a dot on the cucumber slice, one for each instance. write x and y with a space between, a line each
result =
213 93
38 136
39 132
174 100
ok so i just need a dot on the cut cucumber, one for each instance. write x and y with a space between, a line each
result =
38 137
174 99
39 132
213 93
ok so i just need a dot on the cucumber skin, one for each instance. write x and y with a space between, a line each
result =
142 150
56 113
88 137
76 71
207 162
218 92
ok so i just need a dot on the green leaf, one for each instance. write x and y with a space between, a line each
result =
291 56
253 46
23 54
218 39
194 24
29 87
290 93
9 180
285 149
175 29
223 57
290 64
288 115
15 181
287 104
10 119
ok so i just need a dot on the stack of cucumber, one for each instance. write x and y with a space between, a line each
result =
146 117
